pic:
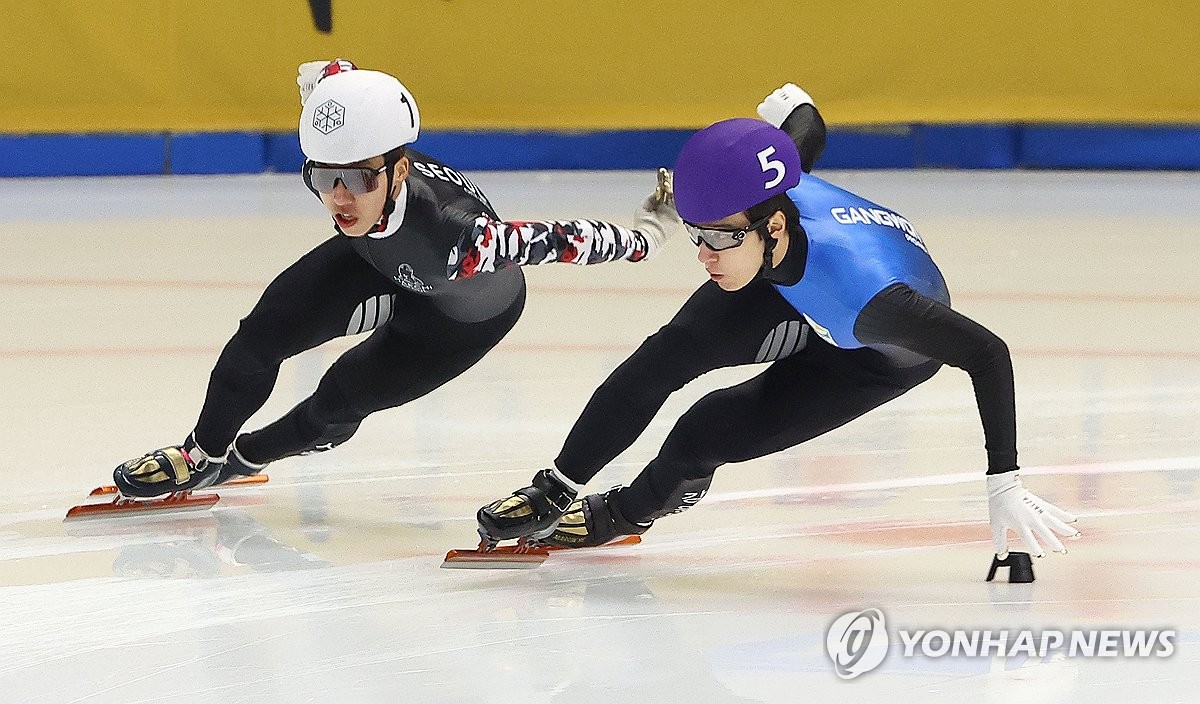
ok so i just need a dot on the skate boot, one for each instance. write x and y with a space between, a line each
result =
592 521
532 511
167 471
237 466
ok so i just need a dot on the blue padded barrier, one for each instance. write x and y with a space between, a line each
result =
894 147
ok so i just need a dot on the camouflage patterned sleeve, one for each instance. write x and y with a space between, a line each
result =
490 244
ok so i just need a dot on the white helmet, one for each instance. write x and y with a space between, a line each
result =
355 115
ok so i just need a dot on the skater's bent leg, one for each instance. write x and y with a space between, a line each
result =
680 475
239 385
308 304
397 364
318 423
713 329
795 400
621 408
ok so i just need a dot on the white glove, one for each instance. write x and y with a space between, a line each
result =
776 107
311 72
1011 505
656 218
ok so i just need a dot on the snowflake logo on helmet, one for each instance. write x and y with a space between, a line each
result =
329 116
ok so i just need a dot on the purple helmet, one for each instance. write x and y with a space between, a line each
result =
731 166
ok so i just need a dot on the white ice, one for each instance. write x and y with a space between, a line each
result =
324 585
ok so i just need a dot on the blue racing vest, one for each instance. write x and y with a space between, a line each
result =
855 250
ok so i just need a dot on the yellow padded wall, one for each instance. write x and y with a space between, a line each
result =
158 65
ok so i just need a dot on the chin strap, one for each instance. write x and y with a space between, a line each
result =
769 243
389 205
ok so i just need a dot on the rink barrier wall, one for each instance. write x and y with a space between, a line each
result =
157 66
885 147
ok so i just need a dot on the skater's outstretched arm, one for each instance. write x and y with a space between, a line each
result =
493 245
902 317
791 109
490 244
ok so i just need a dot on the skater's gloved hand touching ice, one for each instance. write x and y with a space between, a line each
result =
656 217
1011 505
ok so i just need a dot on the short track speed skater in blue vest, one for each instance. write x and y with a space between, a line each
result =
837 292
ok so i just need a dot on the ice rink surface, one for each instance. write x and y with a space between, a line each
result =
324 585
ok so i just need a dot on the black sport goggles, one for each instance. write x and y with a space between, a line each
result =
717 240
359 180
